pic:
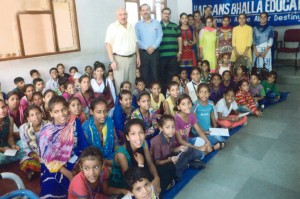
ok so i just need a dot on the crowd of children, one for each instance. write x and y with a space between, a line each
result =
140 134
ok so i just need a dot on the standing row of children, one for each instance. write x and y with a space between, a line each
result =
117 133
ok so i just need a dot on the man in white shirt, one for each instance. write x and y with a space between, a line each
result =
122 49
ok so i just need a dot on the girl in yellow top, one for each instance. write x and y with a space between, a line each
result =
241 39
170 102
157 98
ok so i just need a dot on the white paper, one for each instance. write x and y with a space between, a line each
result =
199 142
10 152
73 159
243 114
219 131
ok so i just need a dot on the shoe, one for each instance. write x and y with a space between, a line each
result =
196 164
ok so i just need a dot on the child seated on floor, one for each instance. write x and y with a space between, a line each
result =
39 84
92 180
139 86
191 87
7 137
184 79
227 81
30 133
170 102
272 94
61 71
122 114
227 105
184 121
205 72
168 156
244 99
134 153
26 100
69 90
34 74
256 90
138 184
126 85
147 115
14 109
89 71
76 109
157 98
52 83
72 71
20 84
176 78
37 100
205 114
240 73
48 95
216 91
224 65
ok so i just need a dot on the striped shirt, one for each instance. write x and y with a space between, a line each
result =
169 44
245 99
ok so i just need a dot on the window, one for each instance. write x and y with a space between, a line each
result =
132 7
30 28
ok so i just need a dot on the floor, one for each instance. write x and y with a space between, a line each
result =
261 161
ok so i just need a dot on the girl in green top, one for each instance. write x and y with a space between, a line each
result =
134 152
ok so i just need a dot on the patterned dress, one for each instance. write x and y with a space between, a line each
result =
60 146
188 57
225 41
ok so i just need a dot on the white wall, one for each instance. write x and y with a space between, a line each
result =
93 17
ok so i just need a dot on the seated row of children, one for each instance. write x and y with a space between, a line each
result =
145 130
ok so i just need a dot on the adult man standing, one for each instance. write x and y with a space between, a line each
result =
121 46
170 49
149 35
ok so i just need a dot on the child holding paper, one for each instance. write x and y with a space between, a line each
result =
224 108
169 157
7 137
205 113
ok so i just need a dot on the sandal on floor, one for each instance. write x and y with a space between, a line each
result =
220 146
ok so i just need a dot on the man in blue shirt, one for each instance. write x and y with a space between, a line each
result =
149 35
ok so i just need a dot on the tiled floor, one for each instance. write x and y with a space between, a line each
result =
261 161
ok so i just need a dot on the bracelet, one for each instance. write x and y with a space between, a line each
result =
141 165
179 53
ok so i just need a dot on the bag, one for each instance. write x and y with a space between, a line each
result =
261 72
106 96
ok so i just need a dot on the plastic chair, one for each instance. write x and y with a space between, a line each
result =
21 188
290 36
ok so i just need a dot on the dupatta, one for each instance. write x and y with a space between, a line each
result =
106 146
56 144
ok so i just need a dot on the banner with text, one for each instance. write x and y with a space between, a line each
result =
281 12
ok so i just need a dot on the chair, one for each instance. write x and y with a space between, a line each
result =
291 36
